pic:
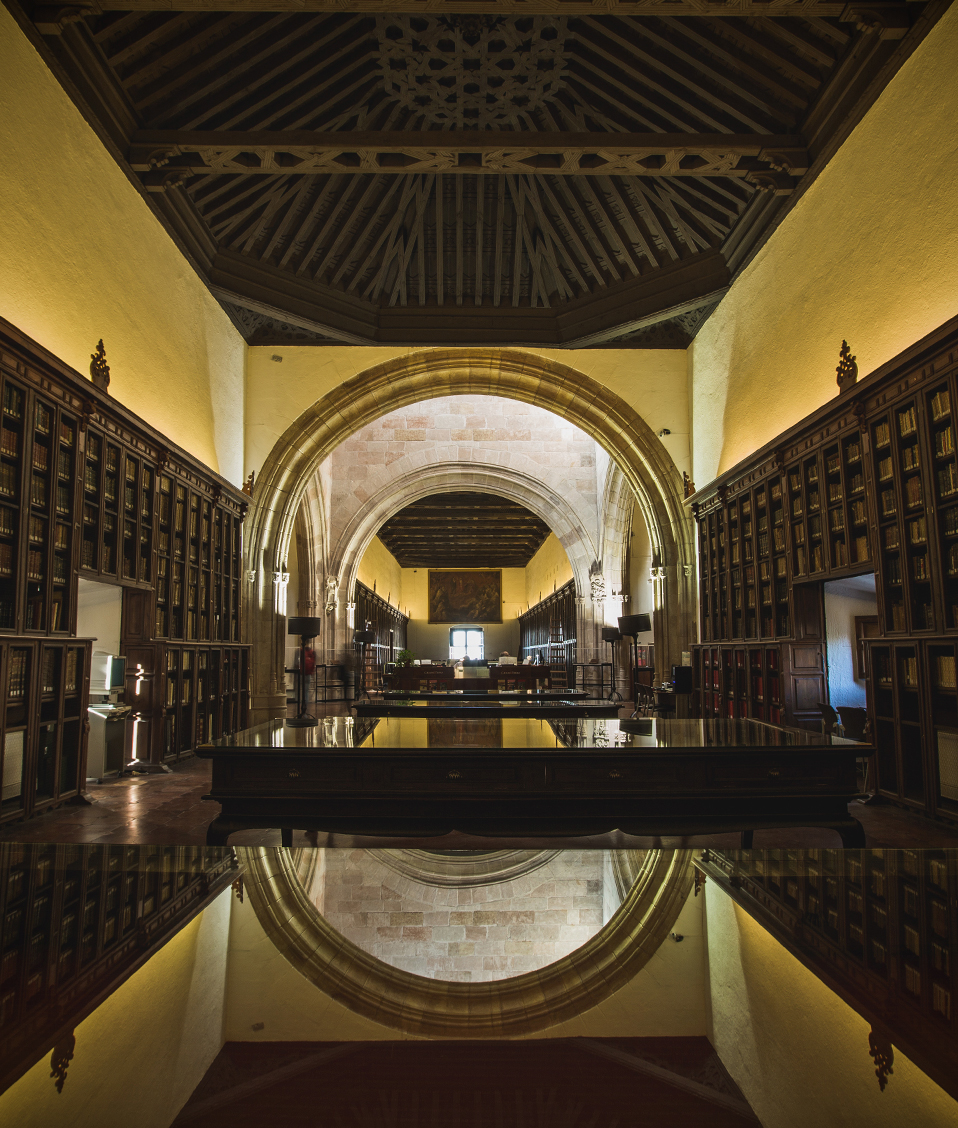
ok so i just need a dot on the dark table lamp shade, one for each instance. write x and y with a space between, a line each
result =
611 634
364 636
306 626
635 624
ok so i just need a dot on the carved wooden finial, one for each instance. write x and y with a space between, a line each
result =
687 484
60 1059
881 1052
847 369
99 369
248 484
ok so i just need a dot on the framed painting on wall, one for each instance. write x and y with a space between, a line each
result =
465 597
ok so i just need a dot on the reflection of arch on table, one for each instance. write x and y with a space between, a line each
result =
630 442
661 882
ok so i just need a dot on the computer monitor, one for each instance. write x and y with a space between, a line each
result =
107 672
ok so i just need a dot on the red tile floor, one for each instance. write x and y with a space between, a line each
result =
167 809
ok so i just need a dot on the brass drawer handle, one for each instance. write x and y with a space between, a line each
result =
615 774
293 773
453 774
773 773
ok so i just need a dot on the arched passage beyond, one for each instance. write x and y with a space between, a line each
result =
618 428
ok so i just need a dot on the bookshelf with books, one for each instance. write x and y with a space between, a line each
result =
45 686
87 489
869 482
189 695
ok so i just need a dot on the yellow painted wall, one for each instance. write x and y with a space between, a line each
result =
82 257
798 1053
870 254
431 640
666 998
653 381
378 566
548 570
141 1054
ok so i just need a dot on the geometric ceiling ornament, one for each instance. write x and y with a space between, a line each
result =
462 71
543 235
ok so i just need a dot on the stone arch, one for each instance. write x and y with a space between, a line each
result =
617 427
659 881
346 555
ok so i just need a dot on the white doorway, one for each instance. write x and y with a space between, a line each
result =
851 605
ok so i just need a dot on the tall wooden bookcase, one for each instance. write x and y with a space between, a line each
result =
88 489
866 484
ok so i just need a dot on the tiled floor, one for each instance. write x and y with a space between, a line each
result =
168 808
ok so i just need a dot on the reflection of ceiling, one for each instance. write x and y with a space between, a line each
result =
441 178
537 1083
464 530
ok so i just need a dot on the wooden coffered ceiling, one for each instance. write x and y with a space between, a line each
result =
542 174
464 530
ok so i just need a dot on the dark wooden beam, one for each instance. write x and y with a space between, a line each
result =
55 18
171 156
588 320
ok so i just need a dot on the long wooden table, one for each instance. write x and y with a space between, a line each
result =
493 705
512 777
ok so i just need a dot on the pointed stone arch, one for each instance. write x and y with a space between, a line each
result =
605 416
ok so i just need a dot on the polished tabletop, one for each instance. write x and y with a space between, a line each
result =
409 734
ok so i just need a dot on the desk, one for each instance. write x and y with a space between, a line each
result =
603 685
418 776
542 696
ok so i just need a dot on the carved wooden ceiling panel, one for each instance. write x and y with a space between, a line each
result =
499 178
464 530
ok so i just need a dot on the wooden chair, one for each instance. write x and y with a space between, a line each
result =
856 726
831 721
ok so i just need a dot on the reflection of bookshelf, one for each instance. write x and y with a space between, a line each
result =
80 919
876 926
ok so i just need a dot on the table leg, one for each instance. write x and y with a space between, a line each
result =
852 834
286 836
747 836
218 832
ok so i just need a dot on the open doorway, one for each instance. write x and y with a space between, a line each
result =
851 615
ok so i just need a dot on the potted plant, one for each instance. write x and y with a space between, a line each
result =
404 658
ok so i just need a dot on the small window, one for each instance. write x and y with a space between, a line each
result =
466 643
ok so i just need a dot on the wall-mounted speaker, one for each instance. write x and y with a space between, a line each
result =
306 626
635 624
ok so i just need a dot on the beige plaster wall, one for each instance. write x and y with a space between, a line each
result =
653 381
798 1053
378 566
869 254
548 570
666 998
82 257
431 640
141 1054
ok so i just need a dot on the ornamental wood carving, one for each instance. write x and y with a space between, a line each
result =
99 369
847 369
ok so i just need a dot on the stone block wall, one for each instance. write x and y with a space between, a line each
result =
461 934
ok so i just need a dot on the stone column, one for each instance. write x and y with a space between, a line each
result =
267 617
